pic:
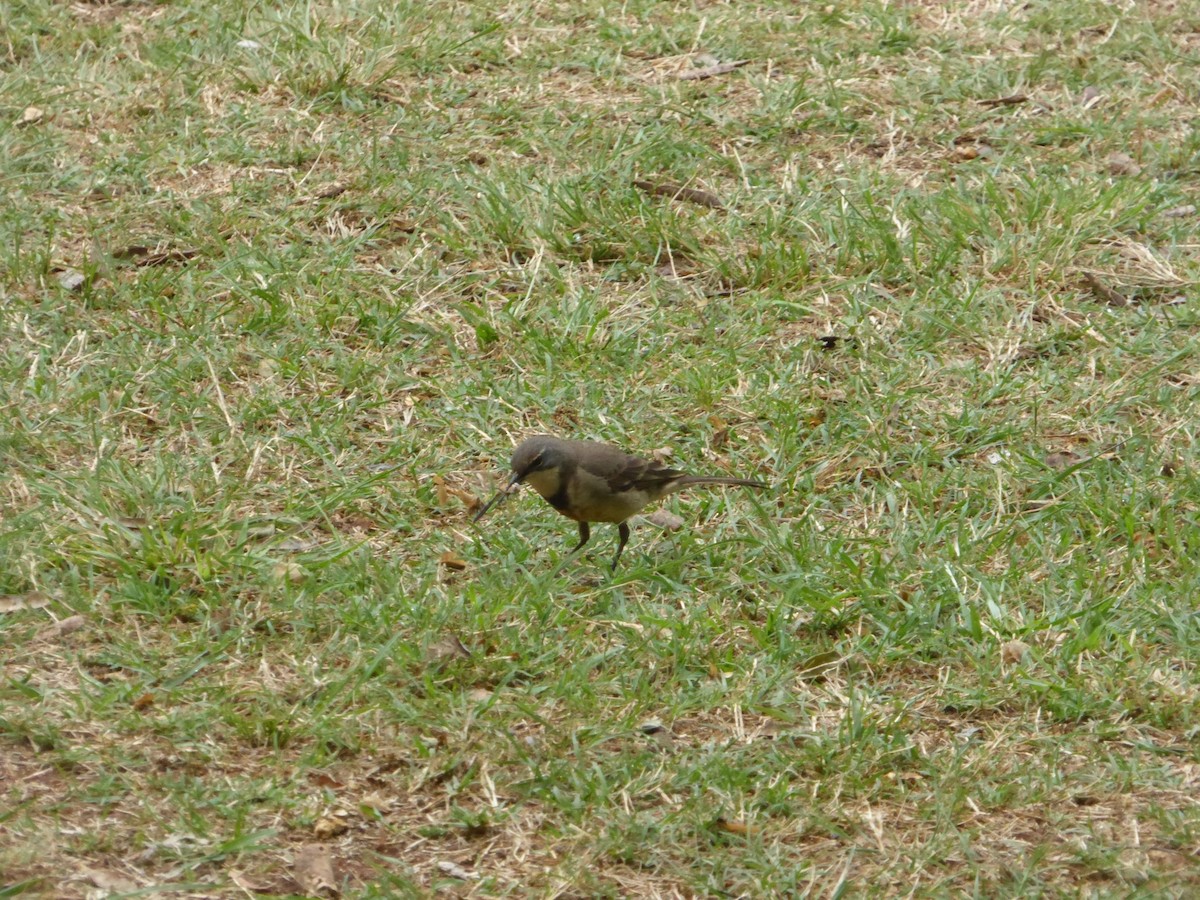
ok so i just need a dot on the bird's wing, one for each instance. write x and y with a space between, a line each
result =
625 472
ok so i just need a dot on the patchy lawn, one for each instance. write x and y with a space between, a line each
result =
281 288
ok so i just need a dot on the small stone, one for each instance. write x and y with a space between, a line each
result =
1122 164
29 116
71 280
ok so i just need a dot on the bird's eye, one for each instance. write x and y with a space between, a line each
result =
537 460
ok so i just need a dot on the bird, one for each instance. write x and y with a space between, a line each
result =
592 482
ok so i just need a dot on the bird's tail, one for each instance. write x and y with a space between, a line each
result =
687 480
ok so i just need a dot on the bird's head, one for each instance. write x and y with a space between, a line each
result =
536 454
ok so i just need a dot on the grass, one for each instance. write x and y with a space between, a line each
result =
279 290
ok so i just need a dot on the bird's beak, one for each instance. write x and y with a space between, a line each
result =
500 497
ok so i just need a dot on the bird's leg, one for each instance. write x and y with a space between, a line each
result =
584 534
622 539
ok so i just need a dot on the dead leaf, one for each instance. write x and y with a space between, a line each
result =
144 702
1090 97
356 521
448 648
168 256
1061 459
711 71
289 571
144 256
62 628
851 469
376 802
443 492
446 491
735 827
773 728
450 560
663 739
17 602
320 779
1162 97
108 880
479 695
1013 652
247 884
1011 100
665 520
819 665
567 417
677 266
294 545
968 152
1122 164
329 826
833 341
1180 212
1109 295
657 732
679 192
29 116
312 868
131 251
328 193
454 870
